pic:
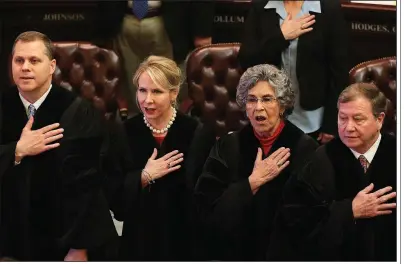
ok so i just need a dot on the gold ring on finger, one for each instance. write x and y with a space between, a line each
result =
279 164
168 165
301 27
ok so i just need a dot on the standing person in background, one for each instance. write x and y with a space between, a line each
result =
52 205
142 28
308 39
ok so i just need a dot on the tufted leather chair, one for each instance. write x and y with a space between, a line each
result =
93 73
213 74
383 73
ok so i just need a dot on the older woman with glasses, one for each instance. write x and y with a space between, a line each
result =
240 188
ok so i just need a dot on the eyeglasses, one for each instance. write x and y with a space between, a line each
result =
267 100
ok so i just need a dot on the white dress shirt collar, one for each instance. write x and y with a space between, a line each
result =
370 154
308 6
38 103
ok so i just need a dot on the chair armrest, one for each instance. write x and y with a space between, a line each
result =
122 107
186 106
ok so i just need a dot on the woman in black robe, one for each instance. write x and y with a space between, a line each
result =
239 190
155 199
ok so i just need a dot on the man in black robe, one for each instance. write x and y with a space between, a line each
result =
52 206
341 206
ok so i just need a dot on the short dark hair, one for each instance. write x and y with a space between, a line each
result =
29 36
368 91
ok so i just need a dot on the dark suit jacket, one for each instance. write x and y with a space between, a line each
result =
184 20
317 214
238 224
322 69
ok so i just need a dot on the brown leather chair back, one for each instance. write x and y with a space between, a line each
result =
213 74
92 72
383 73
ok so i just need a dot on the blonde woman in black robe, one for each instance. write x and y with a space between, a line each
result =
155 199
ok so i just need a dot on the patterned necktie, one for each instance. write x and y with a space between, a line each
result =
31 110
140 8
364 163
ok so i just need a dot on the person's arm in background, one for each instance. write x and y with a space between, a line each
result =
258 47
202 14
337 53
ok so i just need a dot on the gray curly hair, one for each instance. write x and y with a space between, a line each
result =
276 78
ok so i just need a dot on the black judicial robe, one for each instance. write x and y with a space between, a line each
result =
318 206
159 219
238 224
53 201
5 159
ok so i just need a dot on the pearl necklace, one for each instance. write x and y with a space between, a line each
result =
164 130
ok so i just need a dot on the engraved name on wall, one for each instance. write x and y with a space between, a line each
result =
382 28
64 17
373 27
228 19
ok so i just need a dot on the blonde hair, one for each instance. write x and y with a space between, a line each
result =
164 72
